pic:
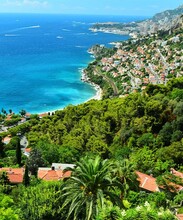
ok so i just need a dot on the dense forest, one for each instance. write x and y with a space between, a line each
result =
108 140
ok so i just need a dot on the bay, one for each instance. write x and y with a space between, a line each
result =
41 55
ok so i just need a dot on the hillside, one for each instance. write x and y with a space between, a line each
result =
131 65
122 154
160 21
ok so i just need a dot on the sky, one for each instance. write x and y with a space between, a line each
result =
98 7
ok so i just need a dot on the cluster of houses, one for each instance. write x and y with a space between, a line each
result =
147 183
56 172
26 117
148 63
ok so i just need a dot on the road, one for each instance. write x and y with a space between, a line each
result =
111 83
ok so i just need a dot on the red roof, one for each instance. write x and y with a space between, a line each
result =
28 150
67 174
6 140
176 173
28 114
15 178
15 175
51 175
180 216
8 117
43 114
147 182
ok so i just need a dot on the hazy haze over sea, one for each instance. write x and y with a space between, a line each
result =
40 58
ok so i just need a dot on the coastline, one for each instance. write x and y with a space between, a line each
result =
84 79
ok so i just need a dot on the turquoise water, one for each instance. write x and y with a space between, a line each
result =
40 59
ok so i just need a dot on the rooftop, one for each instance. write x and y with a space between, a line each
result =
147 182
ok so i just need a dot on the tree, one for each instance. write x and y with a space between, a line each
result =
26 178
22 112
18 150
91 182
4 178
40 202
34 161
3 111
7 211
1 147
124 170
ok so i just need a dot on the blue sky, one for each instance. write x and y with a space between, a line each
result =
103 7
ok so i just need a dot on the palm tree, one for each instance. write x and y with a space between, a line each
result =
90 184
124 171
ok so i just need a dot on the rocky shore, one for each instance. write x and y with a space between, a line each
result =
86 79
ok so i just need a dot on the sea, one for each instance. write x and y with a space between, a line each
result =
41 58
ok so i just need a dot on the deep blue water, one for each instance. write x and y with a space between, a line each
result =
40 58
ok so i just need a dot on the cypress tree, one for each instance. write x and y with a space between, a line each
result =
18 152
1 148
26 178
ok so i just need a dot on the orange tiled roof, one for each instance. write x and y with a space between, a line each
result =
15 178
15 175
28 150
147 182
67 174
51 175
12 170
176 173
43 114
180 216
6 140
8 117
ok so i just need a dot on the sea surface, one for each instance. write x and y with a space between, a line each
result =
41 57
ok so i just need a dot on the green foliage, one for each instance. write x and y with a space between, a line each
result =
7 208
40 202
26 178
147 211
13 121
1 147
122 125
109 212
34 161
85 190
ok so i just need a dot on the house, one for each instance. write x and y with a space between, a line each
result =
15 175
43 115
62 166
27 115
176 173
8 117
50 174
7 139
26 151
147 182
179 216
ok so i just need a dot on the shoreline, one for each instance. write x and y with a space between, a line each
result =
84 79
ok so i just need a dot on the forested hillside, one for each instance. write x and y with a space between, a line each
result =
147 128
124 154
108 140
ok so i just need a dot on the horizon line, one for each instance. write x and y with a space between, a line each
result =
52 13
